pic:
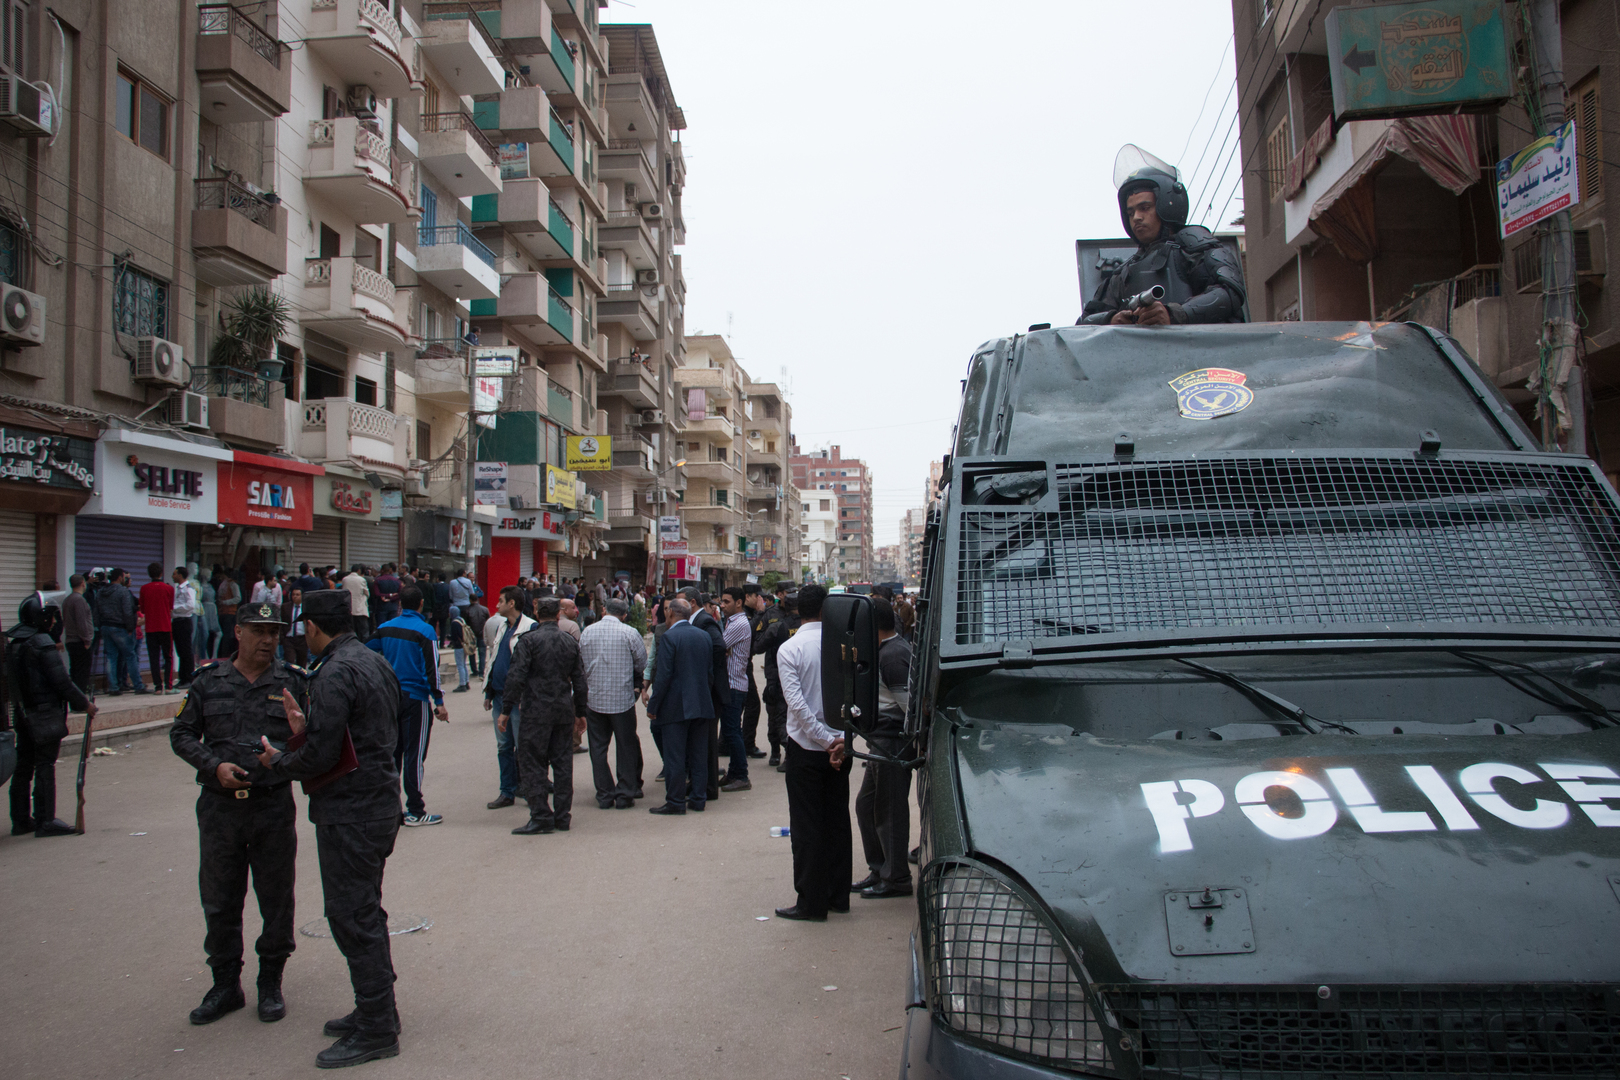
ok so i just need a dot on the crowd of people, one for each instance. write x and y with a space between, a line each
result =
562 669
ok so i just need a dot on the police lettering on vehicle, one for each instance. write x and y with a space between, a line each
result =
1307 807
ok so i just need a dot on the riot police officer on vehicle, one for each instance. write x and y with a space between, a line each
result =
246 818
39 693
355 807
1201 281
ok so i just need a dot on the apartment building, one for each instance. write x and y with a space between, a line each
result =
818 538
849 484
1397 219
772 525
913 523
886 563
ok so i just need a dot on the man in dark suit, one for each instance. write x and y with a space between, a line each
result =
704 620
682 710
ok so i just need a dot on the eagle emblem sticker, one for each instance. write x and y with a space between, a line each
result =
1210 392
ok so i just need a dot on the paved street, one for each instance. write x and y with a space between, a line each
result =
625 948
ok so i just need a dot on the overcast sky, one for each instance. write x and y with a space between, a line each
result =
874 189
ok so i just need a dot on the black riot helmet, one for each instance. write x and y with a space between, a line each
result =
41 613
1137 170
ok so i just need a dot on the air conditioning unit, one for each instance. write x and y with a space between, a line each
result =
647 277
187 409
362 102
652 211
159 361
22 316
415 486
25 106
651 417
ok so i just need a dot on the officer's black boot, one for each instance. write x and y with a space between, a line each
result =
225 997
372 1037
271 1005
343 1025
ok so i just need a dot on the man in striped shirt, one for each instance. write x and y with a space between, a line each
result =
738 636
411 648
614 655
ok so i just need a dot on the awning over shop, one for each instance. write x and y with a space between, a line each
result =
1446 148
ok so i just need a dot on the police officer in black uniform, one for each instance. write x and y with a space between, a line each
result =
246 818
774 624
1202 281
39 692
353 703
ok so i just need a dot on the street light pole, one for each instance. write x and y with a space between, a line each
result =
467 531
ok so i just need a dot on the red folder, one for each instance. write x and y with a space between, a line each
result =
347 762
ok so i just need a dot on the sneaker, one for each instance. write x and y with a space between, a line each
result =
416 820
740 783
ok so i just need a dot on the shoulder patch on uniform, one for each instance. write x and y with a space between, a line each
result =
208 667
295 669
183 703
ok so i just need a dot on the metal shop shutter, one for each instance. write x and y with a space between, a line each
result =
525 557
323 546
16 562
373 543
130 544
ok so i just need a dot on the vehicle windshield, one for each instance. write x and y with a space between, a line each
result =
1405 693
1299 386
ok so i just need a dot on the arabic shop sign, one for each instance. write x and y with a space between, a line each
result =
1403 59
346 500
59 461
1537 182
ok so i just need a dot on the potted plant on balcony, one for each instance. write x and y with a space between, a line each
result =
251 322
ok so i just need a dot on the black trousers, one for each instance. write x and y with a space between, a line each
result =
712 776
883 811
352 859
159 655
818 813
295 649
775 713
545 761
362 627
751 712
81 659
227 635
621 729
235 837
685 745
410 753
183 637
34 782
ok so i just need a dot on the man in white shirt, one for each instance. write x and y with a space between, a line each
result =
738 638
186 607
817 775
614 656
359 592
501 634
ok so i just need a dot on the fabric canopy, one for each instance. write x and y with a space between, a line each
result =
1446 148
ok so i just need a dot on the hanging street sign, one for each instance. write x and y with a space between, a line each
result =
1408 59
590 453
1537 182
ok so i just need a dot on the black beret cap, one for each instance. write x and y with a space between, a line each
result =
323 602
259 615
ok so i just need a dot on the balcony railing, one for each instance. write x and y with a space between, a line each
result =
562 54
226 19
233 383
371 146
431 236
460 121
221 193
374 13
366 280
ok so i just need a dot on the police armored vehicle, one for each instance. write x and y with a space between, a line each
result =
1267 707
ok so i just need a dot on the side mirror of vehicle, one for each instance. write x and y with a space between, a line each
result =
849 670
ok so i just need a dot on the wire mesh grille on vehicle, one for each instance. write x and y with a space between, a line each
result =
997 974
1267 542
1218 1033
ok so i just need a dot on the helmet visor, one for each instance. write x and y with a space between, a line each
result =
1133 158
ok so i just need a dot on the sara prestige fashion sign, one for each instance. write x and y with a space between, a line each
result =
58 461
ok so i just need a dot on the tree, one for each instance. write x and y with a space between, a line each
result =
251 322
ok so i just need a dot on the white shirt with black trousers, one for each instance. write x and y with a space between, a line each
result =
817 790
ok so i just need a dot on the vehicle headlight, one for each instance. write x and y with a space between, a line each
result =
999 973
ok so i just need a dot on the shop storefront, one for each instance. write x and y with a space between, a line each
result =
519 546
266 509
349 524
45 478
150 491
436 539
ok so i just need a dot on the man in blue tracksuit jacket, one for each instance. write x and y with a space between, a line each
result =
411 648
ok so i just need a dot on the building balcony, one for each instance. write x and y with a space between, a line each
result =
765 425
626 231
237 237
353 303
629 380
629 106
693 514
769 492
713 380
245 74
717 428
363 40
554 156
243 408
635 307
720 473
526 209
455 150
557 72
627 160
457 263
355 169
337 429
521 115
629 527
462 51
441 374
633 459
530 304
